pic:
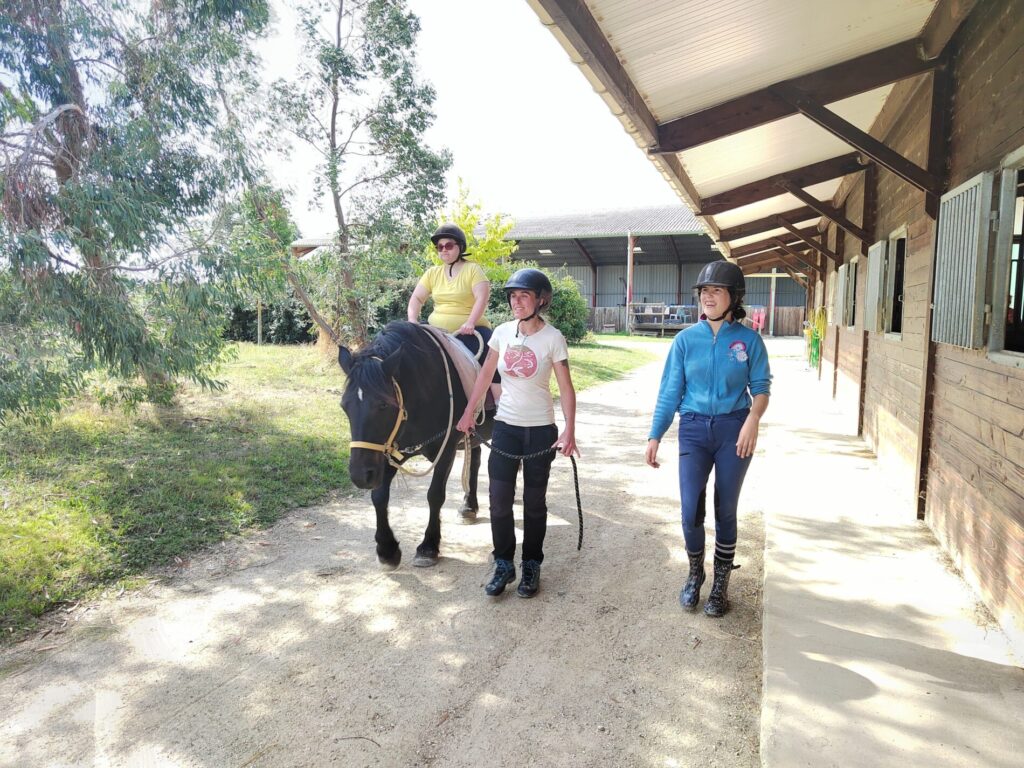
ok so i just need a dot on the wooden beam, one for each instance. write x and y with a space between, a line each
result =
799 257
767 244
946 18
585 253
827 211
938 133
768 223
888 158
849 78
802 282
824 250
825 170
761 260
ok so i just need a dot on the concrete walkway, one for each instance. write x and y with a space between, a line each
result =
876 652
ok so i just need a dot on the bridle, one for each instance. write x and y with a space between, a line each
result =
396 456
388 447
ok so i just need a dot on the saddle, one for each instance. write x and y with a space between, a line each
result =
466 365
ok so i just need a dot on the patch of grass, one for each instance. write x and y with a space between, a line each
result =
98 496
593 364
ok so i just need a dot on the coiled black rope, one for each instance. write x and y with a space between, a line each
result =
575 479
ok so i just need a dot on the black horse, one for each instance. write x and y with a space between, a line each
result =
405 363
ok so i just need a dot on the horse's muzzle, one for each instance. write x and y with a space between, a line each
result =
366 468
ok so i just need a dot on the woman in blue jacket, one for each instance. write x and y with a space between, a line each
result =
717 379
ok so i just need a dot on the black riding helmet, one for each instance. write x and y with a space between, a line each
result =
530 280
453 232
724 274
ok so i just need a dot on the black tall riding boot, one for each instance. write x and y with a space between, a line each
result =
718 600
690 594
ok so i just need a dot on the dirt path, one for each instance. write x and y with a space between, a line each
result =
293 647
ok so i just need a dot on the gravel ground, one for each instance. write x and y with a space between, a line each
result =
293 647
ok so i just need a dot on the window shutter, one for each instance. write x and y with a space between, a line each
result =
839 316
961 256
873 298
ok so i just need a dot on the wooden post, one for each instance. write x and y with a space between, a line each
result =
259 323
771 304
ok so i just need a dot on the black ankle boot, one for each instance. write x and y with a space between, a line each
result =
530 582
504 573
690 594
718 600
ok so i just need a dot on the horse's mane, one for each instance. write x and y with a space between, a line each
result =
419 354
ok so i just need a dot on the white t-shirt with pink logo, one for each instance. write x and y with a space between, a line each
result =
525 364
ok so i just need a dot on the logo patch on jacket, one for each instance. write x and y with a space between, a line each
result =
738 352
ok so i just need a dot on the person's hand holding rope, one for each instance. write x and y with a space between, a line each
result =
467 423
566 443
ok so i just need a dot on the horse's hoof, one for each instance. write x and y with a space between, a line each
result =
467 516
390 562
424 561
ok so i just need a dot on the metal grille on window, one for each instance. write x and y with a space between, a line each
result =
960 263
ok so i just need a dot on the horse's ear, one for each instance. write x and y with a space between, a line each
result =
391 363
345 359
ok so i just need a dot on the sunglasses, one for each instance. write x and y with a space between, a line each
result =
446 246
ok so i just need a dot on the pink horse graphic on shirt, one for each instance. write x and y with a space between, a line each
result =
520 362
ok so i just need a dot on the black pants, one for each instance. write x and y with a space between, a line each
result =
502 471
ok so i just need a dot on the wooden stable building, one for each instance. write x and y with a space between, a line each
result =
877 147
636 268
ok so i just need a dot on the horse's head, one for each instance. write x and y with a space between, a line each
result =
373 411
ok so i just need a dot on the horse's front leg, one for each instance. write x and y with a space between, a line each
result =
427 552
470 506
388 551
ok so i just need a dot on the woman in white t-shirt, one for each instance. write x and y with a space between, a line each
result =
525 351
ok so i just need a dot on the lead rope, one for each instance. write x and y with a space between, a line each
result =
575 479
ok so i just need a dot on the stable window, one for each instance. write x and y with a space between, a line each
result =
850 300
1007 331
897 258
873 304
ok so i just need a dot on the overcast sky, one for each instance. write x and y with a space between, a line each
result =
528 134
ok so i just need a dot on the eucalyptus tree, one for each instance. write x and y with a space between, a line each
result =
112 178
358 102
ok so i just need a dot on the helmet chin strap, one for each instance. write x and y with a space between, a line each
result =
533 314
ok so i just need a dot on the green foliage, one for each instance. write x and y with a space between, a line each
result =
110 183
568 312
358 101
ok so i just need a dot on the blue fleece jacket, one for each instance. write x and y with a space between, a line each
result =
711 375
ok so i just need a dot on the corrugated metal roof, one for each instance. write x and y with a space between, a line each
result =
684 56
661 220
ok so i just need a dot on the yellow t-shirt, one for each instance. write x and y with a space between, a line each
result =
453 298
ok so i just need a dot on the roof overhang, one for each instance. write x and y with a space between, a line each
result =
755 112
